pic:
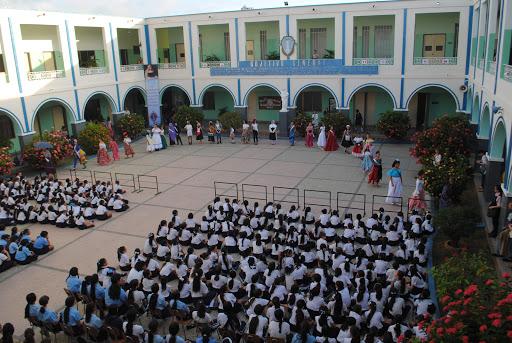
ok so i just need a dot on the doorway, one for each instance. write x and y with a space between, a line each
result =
180 52
434 45
250 50
422 111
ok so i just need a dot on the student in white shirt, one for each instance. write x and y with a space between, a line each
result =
124 260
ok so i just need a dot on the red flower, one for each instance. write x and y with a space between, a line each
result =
465 339
483 327
509 334
505 275
496 322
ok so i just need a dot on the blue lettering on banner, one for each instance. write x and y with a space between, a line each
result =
295 67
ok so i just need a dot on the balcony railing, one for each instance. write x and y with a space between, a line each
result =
473 61
94 71
507 72
481 63
215 64
46 75
132 67
172 65
492 67
435 61
372 61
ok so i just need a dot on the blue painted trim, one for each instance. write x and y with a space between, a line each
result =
288 33
239 93
489 143
465 97
470 32
288 90
15 57
316 84
162 91
373 84
144 95
404 41
477 38
15 117
70 56
194 91
486 44
78 105
343 40
75 116
148 44
507 171
343 92
498 49
114 57
401 92
484 105
435 85
236 36
256 86
116 109
191 50
200 99
498 121
118 98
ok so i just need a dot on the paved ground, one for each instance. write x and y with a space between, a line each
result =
186 176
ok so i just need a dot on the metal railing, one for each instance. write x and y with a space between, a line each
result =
473 61
491 69
173 65
434 61
507 72
246 187
75 173
217 186
45 75
94 71
385 204
215 64
373 61
99 172
132 67
350 201
307 202
286 194
146 181
123 177
481 63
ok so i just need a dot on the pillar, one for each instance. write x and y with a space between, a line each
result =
24 140
283 123
473 128
116 116
505 209
77 127
344 111
492 177
242 110
482 143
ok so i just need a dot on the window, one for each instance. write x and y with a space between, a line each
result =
124 57
6 128
227 46
319 41
209 101
263 44
354 43
86 58
302 44
310 101
383 41
366 42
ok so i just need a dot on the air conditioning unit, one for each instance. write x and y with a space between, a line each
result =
463 88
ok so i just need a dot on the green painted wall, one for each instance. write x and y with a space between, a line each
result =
473 49
252 32
37 61
440 104
127 39
507 40
481 47
168 38
383 103
307 24
213 40
266 115
371 21
222 99
485 123
435 23
490 49
45 118
326 95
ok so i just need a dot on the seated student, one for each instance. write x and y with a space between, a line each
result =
124 259
42 217
24 255
71 317
278 328
173 337
73 282
152 336
131 329
91 320
6 261
113 319
89 213
61 221
81 223
52 215
46 315
120 205
257 323
205 336
42 244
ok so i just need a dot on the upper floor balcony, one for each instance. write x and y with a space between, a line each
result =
214 46
262 41
92 55
130 53
373 40
171 48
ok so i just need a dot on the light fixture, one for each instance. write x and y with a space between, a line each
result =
373 6
91 18
286 3
313 9
130 21
437 3
210 16
41 15
259 13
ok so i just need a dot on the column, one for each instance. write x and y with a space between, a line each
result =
116 116
283 123
492 176
505 209
77 128
242 110
24 140
482 143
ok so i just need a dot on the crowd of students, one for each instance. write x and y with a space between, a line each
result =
46 200
265 272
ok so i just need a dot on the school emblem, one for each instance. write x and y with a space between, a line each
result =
287 45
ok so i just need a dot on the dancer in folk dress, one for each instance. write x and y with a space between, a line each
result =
115 150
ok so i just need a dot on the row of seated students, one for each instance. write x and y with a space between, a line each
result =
341 287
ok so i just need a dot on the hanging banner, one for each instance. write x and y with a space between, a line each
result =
153 94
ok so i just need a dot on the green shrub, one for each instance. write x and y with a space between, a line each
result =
456 222
5 161
190 114
329 54
131 124
61 149
394 124
338 121
231 118
90 136
6 143
273 55
301 123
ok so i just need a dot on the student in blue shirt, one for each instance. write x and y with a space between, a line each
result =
173 337
157 302
25 234
42 244
71 317
114 294
93 321
3 239
24 255
31 309
95 290
176 304
45 315
303 336
73 282
13 248
152 336
205 336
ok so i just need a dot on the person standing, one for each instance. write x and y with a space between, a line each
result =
291 135
418 196
438 157
162 138
245 133
314 118
211 133
149 142
332 143
321 137
315 55
79 155
359 120
395 183
128 150
376 172
483 162
178 134
218 131
272 132
103 157
232 134
494 210
157 140
172 134
199 132
347 139
445 201
309 135
115 150
189 129
255 131
48 163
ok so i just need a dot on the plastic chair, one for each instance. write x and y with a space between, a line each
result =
132 339
114 334
35 322
275 340
55 329
93 335
250 338
228 333
180 318
70 293
68 331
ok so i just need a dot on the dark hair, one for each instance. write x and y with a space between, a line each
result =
70 301
89 310
120 251
29 335
174 328
73 272
8 331
153 329
131 315
153 298
201 309
31 300
43 301
205 334
253 324
114 291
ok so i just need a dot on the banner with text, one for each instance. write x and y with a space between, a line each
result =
153 94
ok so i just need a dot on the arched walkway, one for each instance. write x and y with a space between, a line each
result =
485 122
263 103
172 98
475 110
51 115
499 141
428 103
135 101
216 100
317 98
10 129
371 101
98 107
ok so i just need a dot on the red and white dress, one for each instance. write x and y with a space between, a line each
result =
103 157
332 143
357 151
418 197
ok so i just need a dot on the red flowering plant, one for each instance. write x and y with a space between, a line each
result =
61 149
394 124
90 136
132 125
301 122
449 133
5 161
